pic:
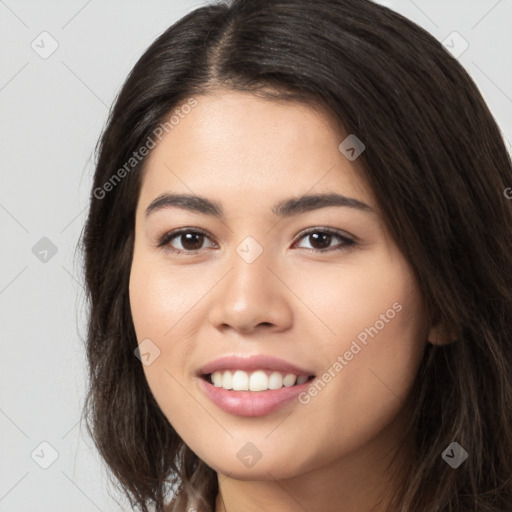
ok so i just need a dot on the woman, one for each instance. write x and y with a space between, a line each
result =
298 260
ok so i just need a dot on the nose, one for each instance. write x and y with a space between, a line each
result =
251 297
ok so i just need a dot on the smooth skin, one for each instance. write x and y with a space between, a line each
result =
248 154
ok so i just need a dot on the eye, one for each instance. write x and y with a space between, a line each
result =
323 237
191 240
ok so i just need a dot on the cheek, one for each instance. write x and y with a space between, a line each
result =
162 299
373 299
163 306
372 360
376 311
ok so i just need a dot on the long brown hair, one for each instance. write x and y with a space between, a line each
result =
438 166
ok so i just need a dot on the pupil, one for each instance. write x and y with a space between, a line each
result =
189 239
321 236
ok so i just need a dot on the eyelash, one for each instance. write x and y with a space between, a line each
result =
164 240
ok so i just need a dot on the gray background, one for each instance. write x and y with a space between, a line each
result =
53 108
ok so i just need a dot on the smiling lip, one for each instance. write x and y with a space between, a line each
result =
251 403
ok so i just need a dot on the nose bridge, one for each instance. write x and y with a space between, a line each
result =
250 293
249 277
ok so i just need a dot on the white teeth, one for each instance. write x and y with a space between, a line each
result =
227 380
240 381
275 381
217 379
259 380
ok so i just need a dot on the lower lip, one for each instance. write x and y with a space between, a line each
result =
251 403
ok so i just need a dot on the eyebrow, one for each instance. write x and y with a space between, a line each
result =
285 208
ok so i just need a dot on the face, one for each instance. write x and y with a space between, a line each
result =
265 285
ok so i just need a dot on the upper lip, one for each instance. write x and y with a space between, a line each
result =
255 362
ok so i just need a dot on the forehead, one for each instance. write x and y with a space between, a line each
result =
237 146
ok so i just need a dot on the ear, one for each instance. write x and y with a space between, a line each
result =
438 335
